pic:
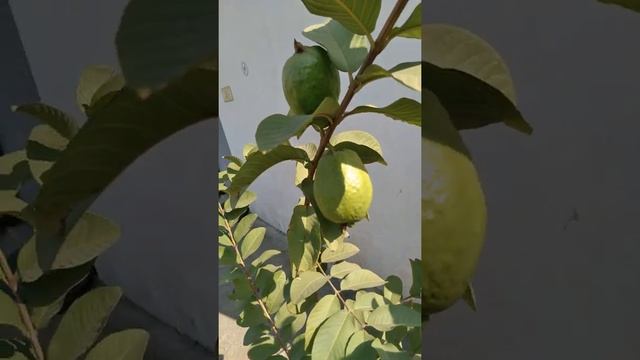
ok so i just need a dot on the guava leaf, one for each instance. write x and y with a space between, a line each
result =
258 162
393 289
124 345
276 129
416 284
53 285
387 317
327 306
82 323
359 16
305 285
14 169
346 50
346 251
408 74
389 351
160 40
361 279
43 148
9 314
96 81
451 47
110 141
332 336
471 102
304 239
364 144
60 121
359 346
629 4
403 109
412 26
367 300
343 269
252 242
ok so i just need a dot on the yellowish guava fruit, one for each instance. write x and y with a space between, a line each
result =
342 187
453 212
308 77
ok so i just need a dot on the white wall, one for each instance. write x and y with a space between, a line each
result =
164 203
260 34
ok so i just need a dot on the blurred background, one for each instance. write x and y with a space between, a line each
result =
559 277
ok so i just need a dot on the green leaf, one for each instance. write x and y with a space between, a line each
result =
244 226
248 149
303 238
124 345
42 315
393 289
470 78
343 269
327 306
629 4
387 317
414 339
274 300
264 257
472 103
255 334
252 241
305 285
263 349
366 300
389 351
364 144
95 82
403 109
109 142
469 298
408 74
53 285
361 279
57 119
10 204
412 27
416 272
159 40
451 47
258 162
276 129
14 169
359 346
43 148
346 50
359 16
332 336
82 324
9 314
251 315
92 235
346 251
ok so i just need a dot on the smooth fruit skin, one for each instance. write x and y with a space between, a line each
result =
453 216
308 77
342 187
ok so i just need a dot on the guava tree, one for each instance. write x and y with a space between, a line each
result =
320 304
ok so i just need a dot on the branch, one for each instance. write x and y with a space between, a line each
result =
252 285
12 281
337 292
375 50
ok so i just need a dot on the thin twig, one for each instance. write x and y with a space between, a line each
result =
12 281
252 285
377 46
337 292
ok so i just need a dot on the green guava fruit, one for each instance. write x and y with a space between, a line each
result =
308 77
454 213
342 187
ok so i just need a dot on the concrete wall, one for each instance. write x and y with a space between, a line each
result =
548 287
164 203
260 34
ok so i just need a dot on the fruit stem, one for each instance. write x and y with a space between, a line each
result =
375 50
297 46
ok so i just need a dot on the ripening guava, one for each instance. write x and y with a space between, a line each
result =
308 77
453 215
342 187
